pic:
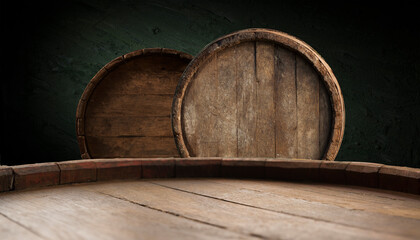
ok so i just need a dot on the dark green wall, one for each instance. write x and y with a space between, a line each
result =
52 50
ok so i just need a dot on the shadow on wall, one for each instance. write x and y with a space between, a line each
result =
54 49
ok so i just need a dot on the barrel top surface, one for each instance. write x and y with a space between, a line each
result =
220 198
125 109
215 208
264 93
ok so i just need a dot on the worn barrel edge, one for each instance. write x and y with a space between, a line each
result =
393 178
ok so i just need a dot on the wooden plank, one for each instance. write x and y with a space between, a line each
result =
157 168
396 199
247 99
78 171
333 172
292 169
208 141
400 179
198 167
266 121
73 213
226 127
142 76
325 116
243 168
6 178
348 197
114 147
128 126
106 104
240 194
13 230
204 109
243 219
363 174
307 85
190 122
139 82
35 175
399 203
113 169
285 95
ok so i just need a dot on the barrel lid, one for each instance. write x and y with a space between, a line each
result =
125 109
217 49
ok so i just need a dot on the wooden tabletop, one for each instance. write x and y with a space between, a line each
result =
214 208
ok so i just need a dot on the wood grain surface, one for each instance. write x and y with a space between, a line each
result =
125 110
208 209
403 179
250 95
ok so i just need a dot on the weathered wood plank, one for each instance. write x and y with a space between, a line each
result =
104 104
77 171
400 179
266 122
397 203
206 112
190 121
6 178
348 197
241 218
247 99
226 127
307 85
114 147
144 82
116 169
325 116
270 200
12 230
74 213
142 76
35 175
128 126
285 95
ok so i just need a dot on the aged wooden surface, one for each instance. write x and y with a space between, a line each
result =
6 178
403 179
258 93
125 110
208 209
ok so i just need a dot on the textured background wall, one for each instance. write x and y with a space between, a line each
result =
53 50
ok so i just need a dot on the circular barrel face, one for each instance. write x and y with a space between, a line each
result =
258 93
125 109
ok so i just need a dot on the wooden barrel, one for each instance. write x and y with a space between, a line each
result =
258 93
125 109
205 198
